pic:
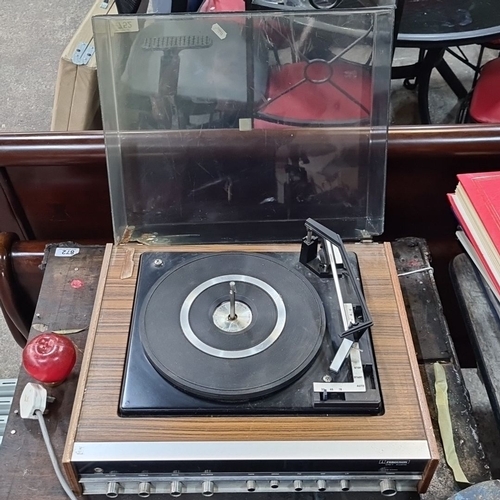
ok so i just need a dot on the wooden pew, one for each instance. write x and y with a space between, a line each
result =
53 187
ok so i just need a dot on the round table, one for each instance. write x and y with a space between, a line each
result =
434 26
446 23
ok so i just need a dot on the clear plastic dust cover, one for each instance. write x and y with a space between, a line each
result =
239 126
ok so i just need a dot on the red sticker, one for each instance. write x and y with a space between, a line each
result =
77 284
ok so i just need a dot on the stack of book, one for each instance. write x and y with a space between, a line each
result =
476 203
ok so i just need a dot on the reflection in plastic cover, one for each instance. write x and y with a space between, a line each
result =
218 126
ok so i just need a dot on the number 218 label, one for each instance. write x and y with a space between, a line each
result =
66 252
125 25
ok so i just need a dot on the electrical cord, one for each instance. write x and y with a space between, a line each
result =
53 459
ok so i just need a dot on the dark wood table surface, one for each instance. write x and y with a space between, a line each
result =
26 472
447 23
481 312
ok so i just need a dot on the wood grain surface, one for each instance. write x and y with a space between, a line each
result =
26 471
426 417
399 377
78 399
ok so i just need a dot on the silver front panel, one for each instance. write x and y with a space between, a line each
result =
157 484
250 450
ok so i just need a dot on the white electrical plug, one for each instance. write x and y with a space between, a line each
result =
34 397
33 400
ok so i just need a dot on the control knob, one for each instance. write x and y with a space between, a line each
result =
345 485
144 490
113 488
207 488
321 485
176 488
388 487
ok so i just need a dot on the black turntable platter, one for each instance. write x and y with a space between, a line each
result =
262 363
193 340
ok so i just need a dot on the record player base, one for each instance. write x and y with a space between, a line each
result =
395 451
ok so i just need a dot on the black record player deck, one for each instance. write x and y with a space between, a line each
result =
237 333
221 359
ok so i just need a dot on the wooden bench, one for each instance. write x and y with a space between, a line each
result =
53 187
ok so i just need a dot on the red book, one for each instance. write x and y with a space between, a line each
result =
483 191
473 242
476 204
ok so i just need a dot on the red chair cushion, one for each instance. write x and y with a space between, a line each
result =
302 94
494 44
222 6
485 102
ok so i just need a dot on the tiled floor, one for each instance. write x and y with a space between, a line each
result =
32 37
10 352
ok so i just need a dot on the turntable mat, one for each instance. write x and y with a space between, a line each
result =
264 366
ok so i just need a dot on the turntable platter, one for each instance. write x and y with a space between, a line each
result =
232 326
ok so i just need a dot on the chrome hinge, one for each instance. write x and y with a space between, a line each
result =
364 236
82 54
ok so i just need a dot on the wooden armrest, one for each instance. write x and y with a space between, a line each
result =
20 281
9 296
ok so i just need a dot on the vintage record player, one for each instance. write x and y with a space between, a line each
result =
236 345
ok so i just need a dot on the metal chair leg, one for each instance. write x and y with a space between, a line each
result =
430 61
451 79
478 66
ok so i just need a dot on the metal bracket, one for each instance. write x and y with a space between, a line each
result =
82 54
364 236
338 261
